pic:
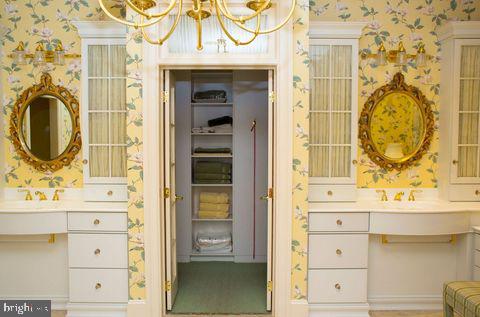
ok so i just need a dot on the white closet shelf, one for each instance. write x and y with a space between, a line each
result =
212 104
211 185
198 253
211 134
212 155
212 220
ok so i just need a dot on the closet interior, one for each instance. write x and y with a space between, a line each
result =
221 172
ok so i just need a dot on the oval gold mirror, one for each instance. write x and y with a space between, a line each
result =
396 125
45 126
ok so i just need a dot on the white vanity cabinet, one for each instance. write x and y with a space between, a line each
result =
98 263
338 262
460 111
104 110
333 110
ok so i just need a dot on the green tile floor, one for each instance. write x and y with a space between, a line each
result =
221 288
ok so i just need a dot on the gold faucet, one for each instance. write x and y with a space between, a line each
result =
41 195
398 196
56 196
28 196
384 194
411 197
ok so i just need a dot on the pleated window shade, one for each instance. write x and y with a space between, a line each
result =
330 110
469 111
107 110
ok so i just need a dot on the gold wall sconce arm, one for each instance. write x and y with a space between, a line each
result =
41 56
398 56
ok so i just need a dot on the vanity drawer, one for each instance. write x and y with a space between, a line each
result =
332 193
84 221
337 251
106 193
97 250
333 221
98 285
337 286
459 192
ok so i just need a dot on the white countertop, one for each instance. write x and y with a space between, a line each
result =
434 206
35 206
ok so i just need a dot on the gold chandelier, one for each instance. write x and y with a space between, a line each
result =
201 10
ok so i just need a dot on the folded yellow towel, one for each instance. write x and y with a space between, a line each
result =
208 214
214 207
214 198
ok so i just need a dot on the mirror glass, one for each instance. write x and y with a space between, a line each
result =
397 126
46 127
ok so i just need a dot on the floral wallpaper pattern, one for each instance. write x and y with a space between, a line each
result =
300 151
391 21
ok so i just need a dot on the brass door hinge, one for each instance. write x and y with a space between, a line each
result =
270 193
270 286
166 193
168 286
272 97
164 95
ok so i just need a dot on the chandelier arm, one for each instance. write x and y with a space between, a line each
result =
276 28
236 41
133 24
228 14
169 33
199 32
154 15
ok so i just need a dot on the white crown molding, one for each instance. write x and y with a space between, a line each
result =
100 29
336 30
459 30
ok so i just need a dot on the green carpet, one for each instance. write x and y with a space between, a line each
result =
221 288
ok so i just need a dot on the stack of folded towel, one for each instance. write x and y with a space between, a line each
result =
212 172
214 206
214 242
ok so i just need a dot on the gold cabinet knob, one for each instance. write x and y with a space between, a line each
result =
454 162
354 162
477 192
110 193
98 286
178 197
339 252
97 252
330 193
85 162
96 222
338 286
339 222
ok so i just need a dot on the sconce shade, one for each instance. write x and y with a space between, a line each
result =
381 59
19 54
401 55
421 59
39 58
59 55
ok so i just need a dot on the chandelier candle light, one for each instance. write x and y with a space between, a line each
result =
201 10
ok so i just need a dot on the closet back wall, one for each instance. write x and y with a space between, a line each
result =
389 22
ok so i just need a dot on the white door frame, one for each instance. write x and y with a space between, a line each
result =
154 304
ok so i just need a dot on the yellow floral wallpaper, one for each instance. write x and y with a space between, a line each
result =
391 21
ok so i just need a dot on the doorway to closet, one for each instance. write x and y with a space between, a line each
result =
218 163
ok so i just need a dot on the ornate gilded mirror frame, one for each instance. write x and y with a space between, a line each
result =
46 87
397 85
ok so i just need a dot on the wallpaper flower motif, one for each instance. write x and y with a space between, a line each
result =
413 22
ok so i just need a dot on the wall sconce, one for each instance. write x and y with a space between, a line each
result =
41 55
399 56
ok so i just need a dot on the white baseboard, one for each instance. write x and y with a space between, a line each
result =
96 310
406 302
58 302
339 310
137 308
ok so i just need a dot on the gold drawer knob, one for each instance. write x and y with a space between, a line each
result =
339 222
477 192
330 193
338 286
110 193
96 222
98 286
339 252
97 252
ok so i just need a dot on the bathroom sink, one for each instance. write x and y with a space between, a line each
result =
26 206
